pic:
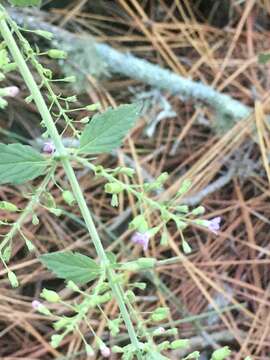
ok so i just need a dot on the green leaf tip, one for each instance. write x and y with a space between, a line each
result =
106 131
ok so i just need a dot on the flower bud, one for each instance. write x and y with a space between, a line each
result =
101 299
200 210
180 344
182 208
130 296
10 91
114 188
28 100
159 331
85 120
93 107
56 340
164 345
164 241
162 178
201 222
181 225
89 350
160 313
165 215
153 231
72 98
221 354
57 54
3 103
38 306
46 34
105 351
139 285
48 73
140 264
117 349
9 67
50 295
7 253
48 148
61 323
124 170
30 246
185 186
186 248
194 355
56 212
114 326
70 79
71 285
13 279
114 201
139 223
68 197
172 331
35 220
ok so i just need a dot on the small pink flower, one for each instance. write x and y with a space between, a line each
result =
105 351
161 330
141 239
48 148
214 224
12 91
36 304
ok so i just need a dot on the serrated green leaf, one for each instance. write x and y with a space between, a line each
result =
22 3
106 131
71 266
20 163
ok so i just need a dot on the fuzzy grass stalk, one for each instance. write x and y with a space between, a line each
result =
56 138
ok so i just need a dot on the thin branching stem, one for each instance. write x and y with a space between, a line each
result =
64 158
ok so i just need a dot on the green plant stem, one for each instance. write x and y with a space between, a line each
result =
56 138
27 211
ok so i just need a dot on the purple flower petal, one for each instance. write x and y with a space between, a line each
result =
214 224
48 147
141 239
36 304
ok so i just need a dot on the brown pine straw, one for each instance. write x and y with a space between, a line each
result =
231 268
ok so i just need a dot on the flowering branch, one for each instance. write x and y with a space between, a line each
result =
228 110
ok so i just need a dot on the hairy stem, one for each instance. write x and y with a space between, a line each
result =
52 130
